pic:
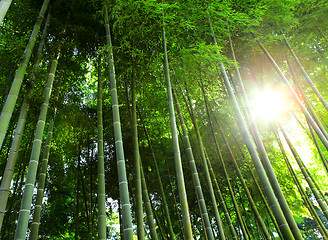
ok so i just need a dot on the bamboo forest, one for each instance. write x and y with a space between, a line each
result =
164 120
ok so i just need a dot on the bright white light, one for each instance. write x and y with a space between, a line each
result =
268 105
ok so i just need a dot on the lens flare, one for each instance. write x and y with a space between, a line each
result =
268 105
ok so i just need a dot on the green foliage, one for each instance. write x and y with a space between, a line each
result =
137 46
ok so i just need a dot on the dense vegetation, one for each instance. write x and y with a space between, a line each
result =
135 119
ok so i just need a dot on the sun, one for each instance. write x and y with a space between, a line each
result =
269 104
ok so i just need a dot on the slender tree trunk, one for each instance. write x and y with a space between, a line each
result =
41 184
78 183
286 231
11 161
90 209
4 5
34 160
301 165
264 200
221 201
136 157
149 211
323 196
306 76
232 195
249 196
206 171
10 215
165 205
9 105
322 157
296 98
194 172
122 178
245 213
266 162
305 198
177 157
43 174
161 229
102 225
307 103
173 194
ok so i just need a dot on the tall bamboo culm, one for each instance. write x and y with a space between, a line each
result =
286 231
13 154
102 225
178 164
122 177
305 173
43 173
265 159
41 184
165 205
306 76
319 132
4 6
249 196
35 154
194 172
219 156
136 157
206 170
9 105
305 198
149 210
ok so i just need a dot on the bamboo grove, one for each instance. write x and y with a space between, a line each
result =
137 119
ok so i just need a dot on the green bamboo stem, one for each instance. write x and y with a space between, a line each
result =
273 219
263 154
296 98
206 171
194 172
175 142
34 159
161 229
149 211
41 184
310 109
245 213
218 151
4 6
316 186
102 218
266 162
122 178
322 157
173 196
136 157
11 161
232 195
286 231
306 76
165 205
301 165
15 199
306 200
258 165
249 196
78 183
43 173
90 218
10 103
222 203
